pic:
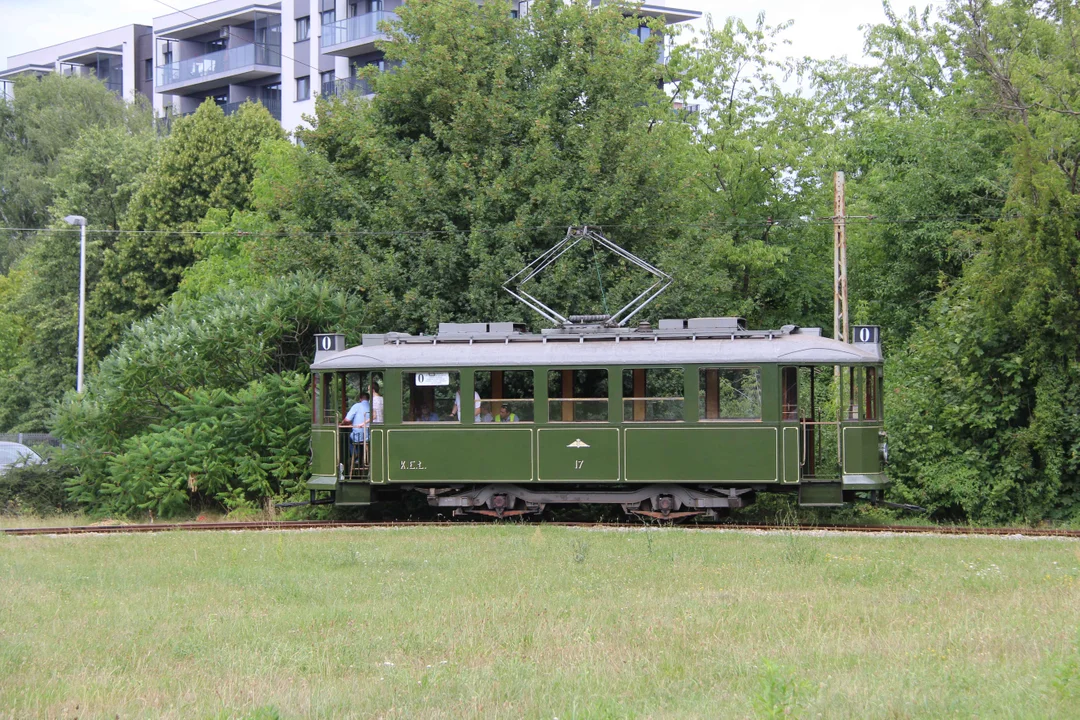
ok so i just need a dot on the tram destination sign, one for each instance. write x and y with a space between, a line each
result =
432 379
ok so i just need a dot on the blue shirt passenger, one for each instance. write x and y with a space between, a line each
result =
359 417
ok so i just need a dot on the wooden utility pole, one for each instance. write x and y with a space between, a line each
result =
840 298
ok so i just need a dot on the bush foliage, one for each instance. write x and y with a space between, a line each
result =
207 401
36 489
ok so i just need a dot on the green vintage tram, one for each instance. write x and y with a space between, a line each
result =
688 418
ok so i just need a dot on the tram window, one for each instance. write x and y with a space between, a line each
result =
653 395
429 396
509 389
329 410
789 379
870 393
729 394
578 395
852 381
316 398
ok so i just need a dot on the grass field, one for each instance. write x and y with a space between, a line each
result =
534 621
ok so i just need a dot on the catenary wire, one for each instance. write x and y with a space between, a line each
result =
771 222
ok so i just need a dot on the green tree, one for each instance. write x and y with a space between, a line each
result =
985 416
206 162
45 116
762 154
923 158
95 177
487 140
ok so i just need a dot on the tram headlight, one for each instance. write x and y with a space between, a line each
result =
883 447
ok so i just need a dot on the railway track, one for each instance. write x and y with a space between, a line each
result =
331 524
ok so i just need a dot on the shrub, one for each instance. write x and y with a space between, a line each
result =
205 403
36 489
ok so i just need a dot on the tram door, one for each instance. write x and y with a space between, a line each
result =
819 430
791 430
325 418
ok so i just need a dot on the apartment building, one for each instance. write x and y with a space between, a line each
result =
281 54
121 58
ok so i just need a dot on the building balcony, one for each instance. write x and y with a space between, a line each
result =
164 123
273 106
233 65
360 86
106 66
355 35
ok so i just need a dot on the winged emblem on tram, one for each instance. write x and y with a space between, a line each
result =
579 443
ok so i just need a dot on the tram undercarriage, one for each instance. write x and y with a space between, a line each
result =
668 502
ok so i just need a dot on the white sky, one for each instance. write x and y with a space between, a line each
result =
822 28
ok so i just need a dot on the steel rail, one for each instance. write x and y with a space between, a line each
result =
334 524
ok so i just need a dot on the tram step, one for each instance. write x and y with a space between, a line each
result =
821 494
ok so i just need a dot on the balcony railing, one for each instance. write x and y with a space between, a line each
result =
112 78
360 86
216 63
354 29
274 106
164 123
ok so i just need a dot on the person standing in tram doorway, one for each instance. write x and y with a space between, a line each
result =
359 418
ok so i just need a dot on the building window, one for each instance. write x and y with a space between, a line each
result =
729 394
523 8
326 82
578 395
653 395
303 28
329 17
148 69
303 88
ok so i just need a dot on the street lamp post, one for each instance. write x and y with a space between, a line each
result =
81 222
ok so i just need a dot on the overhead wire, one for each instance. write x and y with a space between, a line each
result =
766 222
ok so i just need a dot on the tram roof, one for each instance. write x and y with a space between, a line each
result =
597 348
